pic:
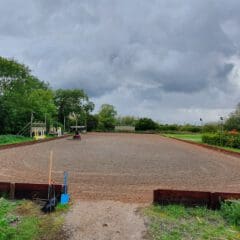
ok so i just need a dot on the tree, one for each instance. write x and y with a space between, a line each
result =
107 117
144 124
210 127
22 94
233 122
10 71
92 122
71 102
190 128
126 121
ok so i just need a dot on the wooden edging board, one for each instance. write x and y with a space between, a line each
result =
28 190
193 198
215 148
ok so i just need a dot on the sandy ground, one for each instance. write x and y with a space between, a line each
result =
119 167
104 220
125 167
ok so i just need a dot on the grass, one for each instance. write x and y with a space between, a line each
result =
8 139
196 137
23 220
11 139
176 222
190 137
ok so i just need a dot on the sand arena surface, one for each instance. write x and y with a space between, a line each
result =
125 167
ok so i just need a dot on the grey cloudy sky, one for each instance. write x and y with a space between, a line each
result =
172 60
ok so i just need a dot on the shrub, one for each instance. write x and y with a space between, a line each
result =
190 128
210 128
225 139
144 124
230 210
169 128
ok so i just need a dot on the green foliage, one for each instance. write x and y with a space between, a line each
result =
62 207
210 128
72 101
92 122
222 139
126 121
11 70
190 128
233 122
23 220
145 124
231 212
13 226
21 94
190 137
169 128
174 128
8 139
107 117
176 222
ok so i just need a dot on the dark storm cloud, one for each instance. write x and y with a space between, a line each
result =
149 51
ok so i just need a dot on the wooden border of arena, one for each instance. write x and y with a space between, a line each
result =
28 190
214 148
192 198
13 145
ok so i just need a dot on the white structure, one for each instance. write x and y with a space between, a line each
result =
38 130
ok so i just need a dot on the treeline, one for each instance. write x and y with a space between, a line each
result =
232 122
23 95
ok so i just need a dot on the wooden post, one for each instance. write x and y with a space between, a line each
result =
12 191
50 173
31 123
64 124
50 168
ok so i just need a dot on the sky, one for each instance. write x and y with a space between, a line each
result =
175 61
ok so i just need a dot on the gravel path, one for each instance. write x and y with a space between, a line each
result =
104 220
125 167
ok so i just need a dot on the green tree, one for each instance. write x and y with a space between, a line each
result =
233 122
144 124
107 117
190 128
126 121
10 71
92 122
71 102
210 127
22 94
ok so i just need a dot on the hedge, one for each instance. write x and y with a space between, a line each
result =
222 139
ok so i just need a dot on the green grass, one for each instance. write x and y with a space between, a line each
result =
176 222
8 139
23 220
230 149
197 138
189 137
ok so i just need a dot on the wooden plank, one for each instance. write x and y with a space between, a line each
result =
192 198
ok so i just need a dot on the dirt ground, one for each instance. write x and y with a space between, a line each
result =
104 220
122 167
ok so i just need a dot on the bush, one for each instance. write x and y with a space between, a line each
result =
190 128
92 122
225 139
169 128
231 212
144 124
210 128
